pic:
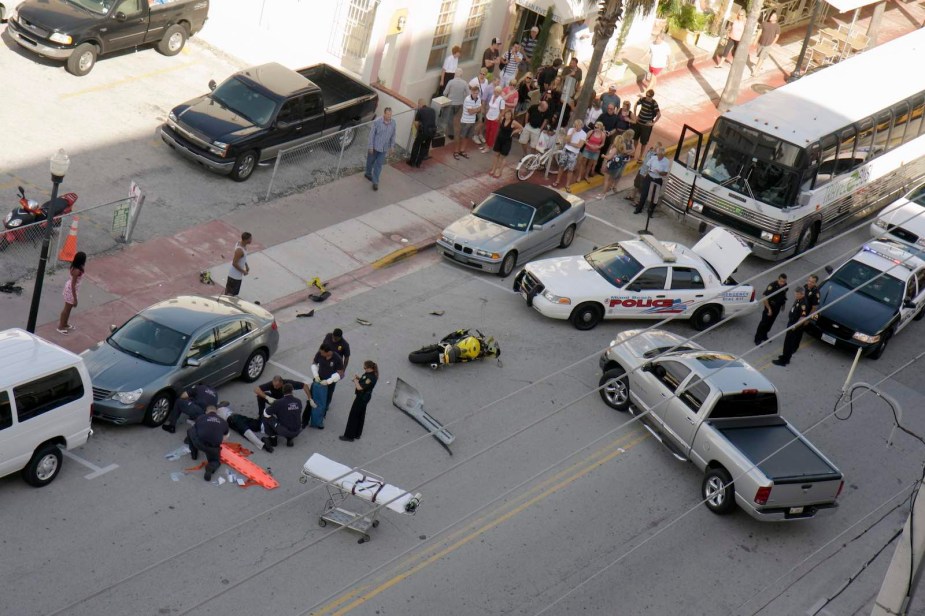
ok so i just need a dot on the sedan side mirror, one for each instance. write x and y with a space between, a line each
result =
192 362
472 205
829 269
112 329
212 85
537 227
909 304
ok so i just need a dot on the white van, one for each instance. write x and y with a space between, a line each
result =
45 398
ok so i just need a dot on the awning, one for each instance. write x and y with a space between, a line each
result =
843 6
563 11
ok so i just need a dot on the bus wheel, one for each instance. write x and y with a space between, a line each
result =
807 238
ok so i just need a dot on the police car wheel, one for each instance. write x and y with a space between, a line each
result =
706 316
586 316
920 314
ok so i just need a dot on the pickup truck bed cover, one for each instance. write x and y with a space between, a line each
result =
757 440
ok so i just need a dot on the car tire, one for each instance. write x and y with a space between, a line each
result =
44 466
244 166
614 389
158 409
878 351
526 166
807 238
254 366
718 491
508 263
568 236
706 316
82 60
174 40
427 355
587 316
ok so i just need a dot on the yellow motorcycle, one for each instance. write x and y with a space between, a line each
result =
458 347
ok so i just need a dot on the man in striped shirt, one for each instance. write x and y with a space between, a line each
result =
647 114
510 61
381 141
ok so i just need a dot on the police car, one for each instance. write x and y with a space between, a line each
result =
904 219
888 280
641 279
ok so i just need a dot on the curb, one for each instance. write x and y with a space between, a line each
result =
361 272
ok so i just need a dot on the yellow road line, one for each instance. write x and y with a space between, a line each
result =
360 597
109 86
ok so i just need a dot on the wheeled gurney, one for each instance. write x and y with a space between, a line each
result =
343 483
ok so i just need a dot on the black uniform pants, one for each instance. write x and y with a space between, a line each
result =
791 344
765 324
644 193
419 149
185 406
213 452
330 397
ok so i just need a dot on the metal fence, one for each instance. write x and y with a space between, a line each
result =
328 158
100 228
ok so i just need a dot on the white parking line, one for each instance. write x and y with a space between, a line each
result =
613 226
97 471
305 379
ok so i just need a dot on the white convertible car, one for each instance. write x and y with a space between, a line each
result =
641 279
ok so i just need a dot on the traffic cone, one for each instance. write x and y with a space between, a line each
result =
69 250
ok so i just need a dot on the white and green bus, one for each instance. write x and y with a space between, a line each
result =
790 165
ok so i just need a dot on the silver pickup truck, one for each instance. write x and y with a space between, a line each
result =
715 410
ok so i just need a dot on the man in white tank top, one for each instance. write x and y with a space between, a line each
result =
239 268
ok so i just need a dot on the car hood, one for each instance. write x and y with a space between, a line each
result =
570 277
216 123
640 341
857 311
114 370
56 15
905 214
477 233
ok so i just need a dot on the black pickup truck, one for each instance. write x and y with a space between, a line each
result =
78 31
259 111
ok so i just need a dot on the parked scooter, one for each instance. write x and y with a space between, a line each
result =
30 212
458 347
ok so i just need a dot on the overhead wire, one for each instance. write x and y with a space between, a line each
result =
459 419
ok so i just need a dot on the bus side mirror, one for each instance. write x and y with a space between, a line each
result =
804 197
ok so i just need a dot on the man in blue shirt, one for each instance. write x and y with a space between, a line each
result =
381 141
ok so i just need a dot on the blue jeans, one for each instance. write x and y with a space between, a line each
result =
374 162
317 414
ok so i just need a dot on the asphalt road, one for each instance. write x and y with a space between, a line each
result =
106 122
551 502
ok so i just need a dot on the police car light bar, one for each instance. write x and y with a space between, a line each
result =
897 259
659 248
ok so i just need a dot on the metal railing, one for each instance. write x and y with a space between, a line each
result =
328 158
100 228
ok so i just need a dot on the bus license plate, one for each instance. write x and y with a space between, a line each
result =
796 510
828 338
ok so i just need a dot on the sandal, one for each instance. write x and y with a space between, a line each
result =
568 188
464 155
63 332
456 155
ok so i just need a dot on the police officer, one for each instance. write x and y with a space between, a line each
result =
274 389
192 403
327 367
207 435
775 298
283 418
811 289
795 323
339 344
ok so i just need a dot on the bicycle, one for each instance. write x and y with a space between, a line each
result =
531 162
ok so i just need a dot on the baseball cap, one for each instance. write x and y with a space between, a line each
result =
612 87
495 41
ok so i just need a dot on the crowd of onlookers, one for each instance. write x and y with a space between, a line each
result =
506 101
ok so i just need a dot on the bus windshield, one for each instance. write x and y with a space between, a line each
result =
753 164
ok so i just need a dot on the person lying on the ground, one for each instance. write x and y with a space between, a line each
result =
248 427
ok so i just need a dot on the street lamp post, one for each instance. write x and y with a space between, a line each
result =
58 164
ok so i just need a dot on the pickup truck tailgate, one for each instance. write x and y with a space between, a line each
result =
801 475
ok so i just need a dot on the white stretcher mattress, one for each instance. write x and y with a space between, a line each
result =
356 483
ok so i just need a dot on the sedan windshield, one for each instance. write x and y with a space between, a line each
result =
870 282
614 264
505 212
150 341
245 101
100 7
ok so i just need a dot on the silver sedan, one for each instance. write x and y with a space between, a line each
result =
141 368
513 225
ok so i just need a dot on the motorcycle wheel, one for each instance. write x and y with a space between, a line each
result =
427 355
